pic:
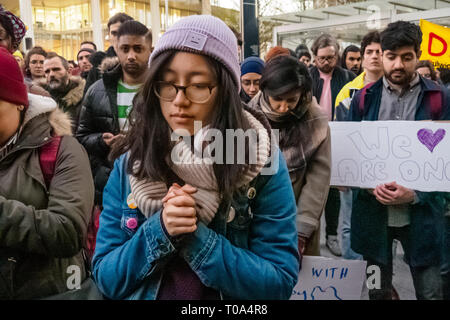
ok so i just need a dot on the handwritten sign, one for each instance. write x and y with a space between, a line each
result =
323 278
435 44
415 154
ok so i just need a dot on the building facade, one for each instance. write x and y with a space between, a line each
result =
61 25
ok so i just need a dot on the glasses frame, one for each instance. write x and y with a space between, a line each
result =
182 88
328 58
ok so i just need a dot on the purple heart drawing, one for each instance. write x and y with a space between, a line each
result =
430 139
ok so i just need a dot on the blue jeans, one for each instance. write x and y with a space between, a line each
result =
346 213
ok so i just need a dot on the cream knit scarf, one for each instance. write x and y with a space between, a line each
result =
199 173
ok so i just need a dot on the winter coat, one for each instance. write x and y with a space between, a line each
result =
96 59
339 79
309 167
370 218
69 99
251 256
99 114
42 229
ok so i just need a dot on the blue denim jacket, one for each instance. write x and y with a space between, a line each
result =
254 256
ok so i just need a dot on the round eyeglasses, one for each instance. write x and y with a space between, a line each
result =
197 93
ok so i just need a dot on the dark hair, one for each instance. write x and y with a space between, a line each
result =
371 37
304 54
132 27
429 65
72 62
301 48
292 53
91 43
350 48
5 21
119 17
444 75
401 34
149 37
237 35
52 55
323 41
283 74
148 139
34 50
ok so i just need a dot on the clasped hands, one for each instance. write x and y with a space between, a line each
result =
179 214
393 194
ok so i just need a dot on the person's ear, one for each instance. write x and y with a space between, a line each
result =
20 108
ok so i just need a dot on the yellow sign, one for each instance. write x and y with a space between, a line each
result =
435 44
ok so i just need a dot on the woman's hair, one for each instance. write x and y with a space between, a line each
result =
304 54
148 139
283 74
34 50
429 65
276 51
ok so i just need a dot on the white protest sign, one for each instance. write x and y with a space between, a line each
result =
323 278
414 154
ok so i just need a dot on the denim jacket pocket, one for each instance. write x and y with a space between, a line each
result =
131 220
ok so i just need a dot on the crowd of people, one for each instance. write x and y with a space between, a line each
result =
88 179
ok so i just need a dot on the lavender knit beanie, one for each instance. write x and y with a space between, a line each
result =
206 35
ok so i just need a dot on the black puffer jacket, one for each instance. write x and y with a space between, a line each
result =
99 115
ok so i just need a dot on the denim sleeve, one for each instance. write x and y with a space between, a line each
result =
121 263
269 268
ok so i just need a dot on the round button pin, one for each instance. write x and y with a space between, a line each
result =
251 193
130 201
131 223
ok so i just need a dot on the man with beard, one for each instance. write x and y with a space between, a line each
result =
392 211
107 103
328 79
66 90
351 59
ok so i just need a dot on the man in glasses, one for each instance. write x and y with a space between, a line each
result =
328 79
104 115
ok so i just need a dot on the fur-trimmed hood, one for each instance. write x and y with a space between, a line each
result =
39 105
108 64
73 97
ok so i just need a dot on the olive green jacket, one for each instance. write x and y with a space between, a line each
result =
42 230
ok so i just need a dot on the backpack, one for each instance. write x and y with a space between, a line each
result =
434 101
47 159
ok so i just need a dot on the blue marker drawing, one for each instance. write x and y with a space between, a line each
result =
324 292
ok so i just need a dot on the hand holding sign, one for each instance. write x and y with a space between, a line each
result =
393 194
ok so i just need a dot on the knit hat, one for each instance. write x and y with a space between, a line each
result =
206 35
85 49
252 65
18 26
12 87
